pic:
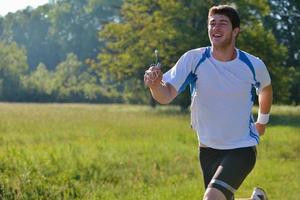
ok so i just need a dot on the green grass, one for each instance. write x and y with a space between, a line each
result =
77 151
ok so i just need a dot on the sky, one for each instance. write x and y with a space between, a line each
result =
14 5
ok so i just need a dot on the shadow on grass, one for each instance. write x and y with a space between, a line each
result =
276 119
285 120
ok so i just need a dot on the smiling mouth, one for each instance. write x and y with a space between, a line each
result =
217 35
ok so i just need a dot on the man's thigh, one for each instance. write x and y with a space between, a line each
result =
225 170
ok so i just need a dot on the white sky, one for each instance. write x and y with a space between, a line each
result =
14 5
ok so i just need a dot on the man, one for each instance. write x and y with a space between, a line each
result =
223 81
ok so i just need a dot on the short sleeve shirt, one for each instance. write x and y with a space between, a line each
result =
222 97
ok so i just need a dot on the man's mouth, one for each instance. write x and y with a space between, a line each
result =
217 35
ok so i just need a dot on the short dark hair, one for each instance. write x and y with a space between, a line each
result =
228 11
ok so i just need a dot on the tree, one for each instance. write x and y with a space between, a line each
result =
283 20
50 32
39 86
29 28
174 27
13 64
146 26
75 82
260 41
66 77
1 25
75 25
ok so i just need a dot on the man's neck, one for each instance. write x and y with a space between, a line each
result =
224 54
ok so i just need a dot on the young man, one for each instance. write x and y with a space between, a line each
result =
223 81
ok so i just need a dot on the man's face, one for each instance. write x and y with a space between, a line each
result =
220 31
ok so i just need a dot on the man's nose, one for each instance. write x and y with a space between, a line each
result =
217 26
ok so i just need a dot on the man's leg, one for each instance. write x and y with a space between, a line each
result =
210 159
219 185
235 165
213 194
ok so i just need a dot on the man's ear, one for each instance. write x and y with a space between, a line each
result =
236 31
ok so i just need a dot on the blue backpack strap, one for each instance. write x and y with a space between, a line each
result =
243 57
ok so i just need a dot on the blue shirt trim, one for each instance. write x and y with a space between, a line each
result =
192 77
253 135
243 57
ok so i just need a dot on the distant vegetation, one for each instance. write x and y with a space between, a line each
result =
97 51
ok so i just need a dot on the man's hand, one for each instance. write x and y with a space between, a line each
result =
153 76
162 92
260 128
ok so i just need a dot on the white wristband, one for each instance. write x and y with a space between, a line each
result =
263 118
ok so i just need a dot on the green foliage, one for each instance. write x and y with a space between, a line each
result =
105 10
67 76
283 21
111 152
50 32
273 55
29 28
146 26
13 64
149 25
39 85
72 81
133 30
75 25
1 25
295 88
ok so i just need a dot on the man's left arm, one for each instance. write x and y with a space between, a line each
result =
265 98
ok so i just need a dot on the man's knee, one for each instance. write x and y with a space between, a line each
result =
213 194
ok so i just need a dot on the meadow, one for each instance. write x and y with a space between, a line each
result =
125 152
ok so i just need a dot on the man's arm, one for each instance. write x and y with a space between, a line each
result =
265 102
162 92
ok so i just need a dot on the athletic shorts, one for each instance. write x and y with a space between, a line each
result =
225 170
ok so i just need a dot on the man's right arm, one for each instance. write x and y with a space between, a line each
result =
162 92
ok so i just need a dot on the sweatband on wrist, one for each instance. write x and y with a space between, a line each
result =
263 118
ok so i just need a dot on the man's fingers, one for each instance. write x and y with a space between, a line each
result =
153 74
147 80
261 128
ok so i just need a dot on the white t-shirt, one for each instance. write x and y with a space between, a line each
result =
222 95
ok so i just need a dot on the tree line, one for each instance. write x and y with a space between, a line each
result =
97 50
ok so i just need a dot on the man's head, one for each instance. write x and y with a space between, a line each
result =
223 25
228 11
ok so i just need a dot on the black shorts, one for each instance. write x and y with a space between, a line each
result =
225 170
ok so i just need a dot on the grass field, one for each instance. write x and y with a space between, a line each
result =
76 151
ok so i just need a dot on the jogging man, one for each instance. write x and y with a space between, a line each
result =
223 81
